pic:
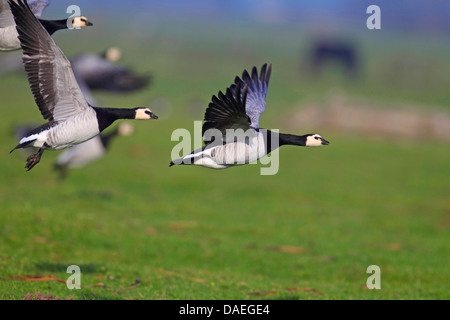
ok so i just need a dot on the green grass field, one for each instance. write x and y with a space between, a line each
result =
308 232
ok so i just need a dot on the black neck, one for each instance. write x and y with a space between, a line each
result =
106 116
54 25
293 140
275 140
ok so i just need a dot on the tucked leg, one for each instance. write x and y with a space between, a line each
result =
35 158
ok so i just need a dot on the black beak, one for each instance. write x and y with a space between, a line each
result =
153 116
325 142
89 23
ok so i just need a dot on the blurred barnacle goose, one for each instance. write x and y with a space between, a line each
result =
101 72
71 119
89 151
8 34
231 129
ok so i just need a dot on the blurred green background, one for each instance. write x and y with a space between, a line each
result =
377 195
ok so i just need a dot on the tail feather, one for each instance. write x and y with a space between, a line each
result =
22 145
177 162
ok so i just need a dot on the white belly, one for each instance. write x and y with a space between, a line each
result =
73 131
9 39
240 152
69 133
231 154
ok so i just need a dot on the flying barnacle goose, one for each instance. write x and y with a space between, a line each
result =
240 108
100 72
71 119
89 151
8 34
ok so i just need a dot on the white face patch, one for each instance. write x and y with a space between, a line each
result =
143 114
79 22
314 140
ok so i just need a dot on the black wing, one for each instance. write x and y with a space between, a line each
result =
227 111
257 92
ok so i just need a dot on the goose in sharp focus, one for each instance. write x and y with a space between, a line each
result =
89 151
240 108
8 34
71 119
100 72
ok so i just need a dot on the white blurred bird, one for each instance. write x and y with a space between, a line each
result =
92 150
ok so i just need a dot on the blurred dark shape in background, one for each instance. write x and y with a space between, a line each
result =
325 52
100 72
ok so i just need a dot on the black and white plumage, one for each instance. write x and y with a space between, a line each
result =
8 34
19 131
100 73
231 126
71 119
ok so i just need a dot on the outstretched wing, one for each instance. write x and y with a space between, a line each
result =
37 6
49 72
227 111
85 89
257 92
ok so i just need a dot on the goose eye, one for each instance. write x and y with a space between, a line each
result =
317 138
147 112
